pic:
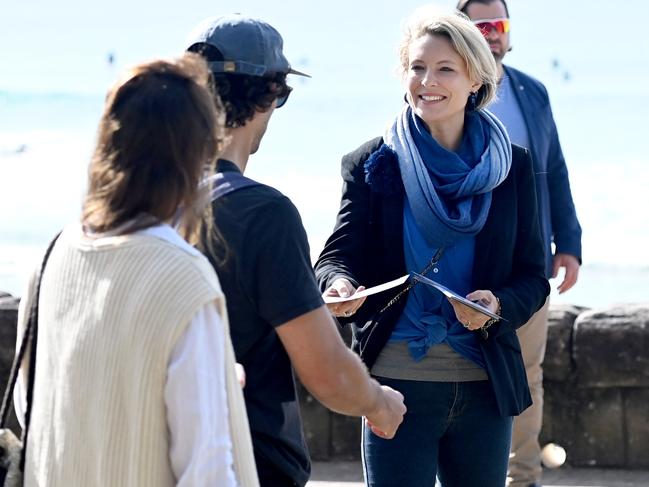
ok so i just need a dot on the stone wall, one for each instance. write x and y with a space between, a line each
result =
596 388
597 385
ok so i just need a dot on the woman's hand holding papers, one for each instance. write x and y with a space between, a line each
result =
471 318
342 287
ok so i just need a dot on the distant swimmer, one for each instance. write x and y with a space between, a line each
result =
10 151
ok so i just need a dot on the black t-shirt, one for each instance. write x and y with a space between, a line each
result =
263 263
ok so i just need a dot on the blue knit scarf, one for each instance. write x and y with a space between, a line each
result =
450 192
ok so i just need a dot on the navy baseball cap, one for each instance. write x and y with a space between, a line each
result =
249 46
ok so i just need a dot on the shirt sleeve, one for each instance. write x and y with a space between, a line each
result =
24 309
20 401
196 400
278 274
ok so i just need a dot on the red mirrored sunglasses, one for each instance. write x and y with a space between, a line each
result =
487 25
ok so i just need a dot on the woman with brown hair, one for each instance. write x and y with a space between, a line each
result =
134 372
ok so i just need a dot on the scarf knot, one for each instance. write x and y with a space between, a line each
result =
450 192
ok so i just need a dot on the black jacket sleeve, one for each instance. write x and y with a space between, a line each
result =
520 284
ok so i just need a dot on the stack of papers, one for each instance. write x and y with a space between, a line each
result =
419 278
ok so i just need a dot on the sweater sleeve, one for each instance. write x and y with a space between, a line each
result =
196 400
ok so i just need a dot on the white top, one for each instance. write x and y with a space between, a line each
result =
195 395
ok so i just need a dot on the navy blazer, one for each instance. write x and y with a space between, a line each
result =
557 214
366 247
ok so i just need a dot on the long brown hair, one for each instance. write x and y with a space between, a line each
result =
160 134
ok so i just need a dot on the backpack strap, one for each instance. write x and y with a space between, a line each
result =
221 183
228 182
29 337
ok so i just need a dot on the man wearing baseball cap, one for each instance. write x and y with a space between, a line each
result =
260 251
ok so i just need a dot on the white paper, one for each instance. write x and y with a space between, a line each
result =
367 292
454 296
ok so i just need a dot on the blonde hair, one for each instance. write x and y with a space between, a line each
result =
465 38
160 133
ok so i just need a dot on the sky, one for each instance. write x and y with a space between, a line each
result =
62 46
349 47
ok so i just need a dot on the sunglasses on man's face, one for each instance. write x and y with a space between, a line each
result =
281 100
487 25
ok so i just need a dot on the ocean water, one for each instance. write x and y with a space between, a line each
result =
46 142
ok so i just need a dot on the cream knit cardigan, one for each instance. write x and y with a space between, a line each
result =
110 316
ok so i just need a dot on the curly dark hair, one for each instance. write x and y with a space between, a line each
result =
241 94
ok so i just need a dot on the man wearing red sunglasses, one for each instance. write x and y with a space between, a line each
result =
524 108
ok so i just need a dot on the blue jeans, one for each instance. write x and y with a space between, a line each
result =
452 430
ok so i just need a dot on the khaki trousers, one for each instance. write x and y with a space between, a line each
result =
525 458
